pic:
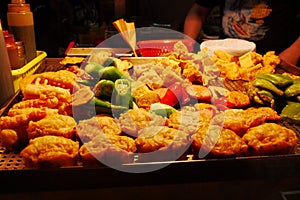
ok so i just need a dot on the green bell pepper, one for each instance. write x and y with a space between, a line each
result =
104 89
291 112
278 80
264 84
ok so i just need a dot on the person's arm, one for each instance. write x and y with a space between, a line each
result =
194 20
291 54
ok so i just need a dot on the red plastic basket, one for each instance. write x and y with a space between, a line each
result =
153 48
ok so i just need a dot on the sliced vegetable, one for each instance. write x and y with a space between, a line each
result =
122 93
105 107
104 89
164 112
93 68
169 98
291 112
264 84
162 109
278 80
267 96
292 90
110 73
82 96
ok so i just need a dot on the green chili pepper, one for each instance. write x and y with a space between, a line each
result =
110 73
104 89
93 68
278 80
264 84
105 107
122 93
291 112
292 90
266 96
89 82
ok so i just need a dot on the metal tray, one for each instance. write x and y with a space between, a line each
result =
16 176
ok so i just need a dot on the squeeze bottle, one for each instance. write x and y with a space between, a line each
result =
21 25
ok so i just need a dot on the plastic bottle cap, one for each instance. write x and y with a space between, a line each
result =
18 1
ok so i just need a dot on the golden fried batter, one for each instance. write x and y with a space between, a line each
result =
156 137
53 151
270 138
189 119
59 125
216 141
269 113
135 119
113 149
239 120
109 125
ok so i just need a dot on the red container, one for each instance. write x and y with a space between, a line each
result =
153 48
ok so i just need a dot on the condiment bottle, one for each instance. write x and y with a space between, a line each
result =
21 53
12 50
6 82
21 25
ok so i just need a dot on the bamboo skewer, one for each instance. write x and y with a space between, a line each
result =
128 33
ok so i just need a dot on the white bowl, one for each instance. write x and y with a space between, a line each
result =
236 47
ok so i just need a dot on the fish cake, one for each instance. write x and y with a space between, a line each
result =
108 149
50 151
217 142
269 139
161 143
59 125
135 119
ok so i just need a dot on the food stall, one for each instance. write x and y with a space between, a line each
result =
168 119
271 176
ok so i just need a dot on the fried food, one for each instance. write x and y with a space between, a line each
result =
50 151
163 142
62 79
239 120
237 99
270 138
59 125
245 67
188 119
135 119
144 97
218 142
107 149
269 113
8 138
15 111
109 125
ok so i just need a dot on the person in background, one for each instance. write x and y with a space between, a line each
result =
271 24
86 20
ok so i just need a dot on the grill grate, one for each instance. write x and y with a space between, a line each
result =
10 160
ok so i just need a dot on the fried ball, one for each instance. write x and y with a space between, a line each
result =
270 138
50 151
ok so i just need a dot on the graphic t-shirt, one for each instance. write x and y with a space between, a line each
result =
271 24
